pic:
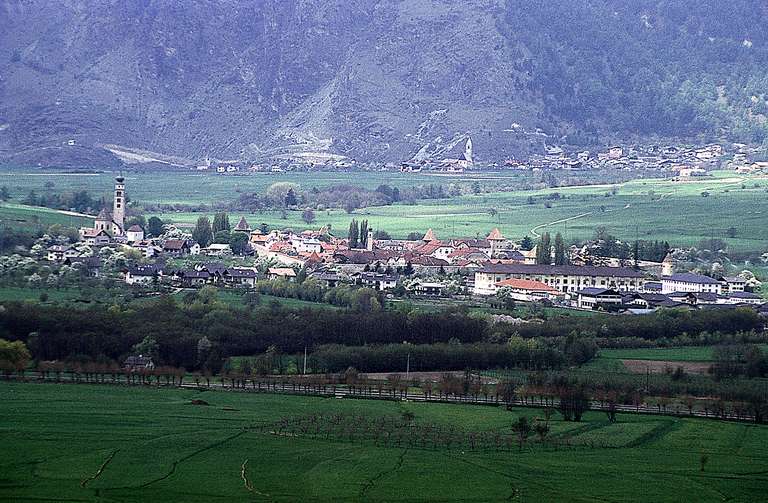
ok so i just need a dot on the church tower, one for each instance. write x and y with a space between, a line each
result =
668 265
468 150
118 210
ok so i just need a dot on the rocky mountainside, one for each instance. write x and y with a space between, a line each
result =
101 83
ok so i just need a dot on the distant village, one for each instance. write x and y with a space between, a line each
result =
489 267
674 161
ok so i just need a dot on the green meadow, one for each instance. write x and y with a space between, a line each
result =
679 354
121 444
30 217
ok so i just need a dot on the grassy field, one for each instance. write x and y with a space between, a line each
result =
179 187
101 443
681 354
676 213
647 209
54 295
19 215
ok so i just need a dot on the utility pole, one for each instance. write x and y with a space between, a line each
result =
408 368
305 360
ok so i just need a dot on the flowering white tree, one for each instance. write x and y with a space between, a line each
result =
172 232
35 280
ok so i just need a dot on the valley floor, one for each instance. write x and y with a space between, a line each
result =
109 443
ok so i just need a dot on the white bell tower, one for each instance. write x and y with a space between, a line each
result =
118 209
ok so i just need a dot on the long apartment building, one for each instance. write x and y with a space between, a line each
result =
564 278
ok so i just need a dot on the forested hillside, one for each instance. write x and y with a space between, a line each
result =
645 67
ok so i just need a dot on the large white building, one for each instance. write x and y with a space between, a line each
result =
564 278
690 282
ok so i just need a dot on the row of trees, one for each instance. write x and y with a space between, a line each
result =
80 201
61 332
361 300
287 195
177 327
220 232
430 357
605 245
666 324
545 253
357 234
740 360
608 245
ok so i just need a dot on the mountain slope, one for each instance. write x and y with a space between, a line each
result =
380 80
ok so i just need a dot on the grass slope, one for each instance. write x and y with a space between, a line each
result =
31 217
86 443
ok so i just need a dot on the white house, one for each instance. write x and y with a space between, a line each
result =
733 284
690 282
241 277
564 278
307 245
527 290
95 237
276 273
598 298
427 288
142 275
377 281
742 298
134 234
59 253
217 250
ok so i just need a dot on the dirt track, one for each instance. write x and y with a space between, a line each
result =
659 366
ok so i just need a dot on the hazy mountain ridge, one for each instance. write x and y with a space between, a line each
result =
384 80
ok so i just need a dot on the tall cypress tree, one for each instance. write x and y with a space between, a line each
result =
544 250
202 232
561 257
363 234
353 234
220 222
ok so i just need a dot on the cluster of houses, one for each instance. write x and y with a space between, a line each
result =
487 266
612 288
109 229
313 248
202 274
491 266
677 161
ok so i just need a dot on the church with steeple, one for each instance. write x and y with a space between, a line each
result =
108 225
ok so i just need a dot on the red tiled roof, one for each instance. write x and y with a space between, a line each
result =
428 248
463 252
495 235
526 284
428 261
280 246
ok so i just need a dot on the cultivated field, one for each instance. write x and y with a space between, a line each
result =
647 209
103 443
681 354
